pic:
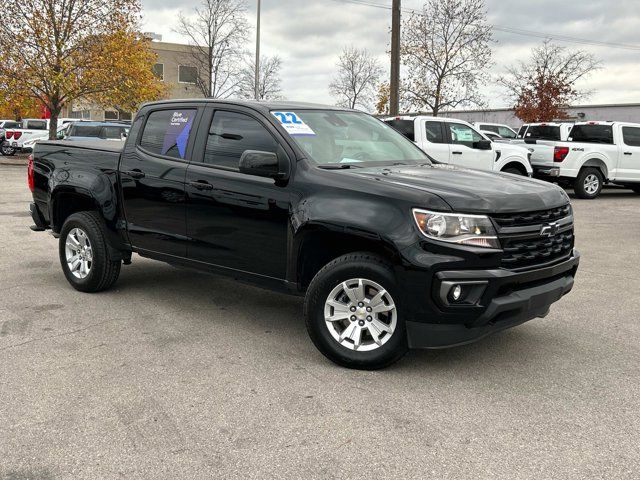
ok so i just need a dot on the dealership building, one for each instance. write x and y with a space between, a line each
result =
173 67
624 112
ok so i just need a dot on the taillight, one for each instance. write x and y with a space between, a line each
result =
8 135
560 153
30 181
17 135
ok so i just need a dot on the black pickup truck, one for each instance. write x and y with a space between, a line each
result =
392 250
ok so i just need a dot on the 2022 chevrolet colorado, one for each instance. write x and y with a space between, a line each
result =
392 249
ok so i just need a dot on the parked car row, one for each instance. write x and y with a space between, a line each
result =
20 137
584 155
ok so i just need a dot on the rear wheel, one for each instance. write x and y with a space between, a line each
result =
7 151
352 314
84 254
589 183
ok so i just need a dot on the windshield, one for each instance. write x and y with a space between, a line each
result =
591 134
348 138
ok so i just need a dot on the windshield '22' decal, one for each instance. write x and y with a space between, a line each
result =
287 118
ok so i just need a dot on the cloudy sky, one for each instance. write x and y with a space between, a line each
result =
309 34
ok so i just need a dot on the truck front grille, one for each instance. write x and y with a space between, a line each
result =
534 239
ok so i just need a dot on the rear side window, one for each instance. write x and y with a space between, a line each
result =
231 134
434 132
543 132
167 132
631 136
405 127
36 125
592 134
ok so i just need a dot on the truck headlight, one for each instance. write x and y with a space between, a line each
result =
475 230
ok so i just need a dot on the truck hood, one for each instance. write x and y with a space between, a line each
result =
471 191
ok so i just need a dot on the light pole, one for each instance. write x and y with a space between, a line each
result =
394 84
257 92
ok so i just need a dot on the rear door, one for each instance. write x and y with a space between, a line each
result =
434 140
464 147
152 173
629 166
234 220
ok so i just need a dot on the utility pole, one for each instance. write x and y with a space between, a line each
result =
257 89
394 84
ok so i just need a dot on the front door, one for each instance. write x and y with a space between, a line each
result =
464 151
235 220
152 173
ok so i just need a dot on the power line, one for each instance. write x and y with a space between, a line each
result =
515 31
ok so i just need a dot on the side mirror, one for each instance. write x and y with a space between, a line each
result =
262 164
482 145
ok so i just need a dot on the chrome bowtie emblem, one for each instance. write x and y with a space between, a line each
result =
549 230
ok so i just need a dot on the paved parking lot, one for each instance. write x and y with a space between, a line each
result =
176 374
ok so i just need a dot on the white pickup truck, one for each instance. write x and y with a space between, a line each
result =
595 153
23 139
457 142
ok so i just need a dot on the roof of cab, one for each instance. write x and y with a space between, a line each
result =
264 106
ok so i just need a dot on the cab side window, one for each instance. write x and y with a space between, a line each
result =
631 136
167 132
231 134
463 135
434 132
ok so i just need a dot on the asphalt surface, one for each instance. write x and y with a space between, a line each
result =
177 374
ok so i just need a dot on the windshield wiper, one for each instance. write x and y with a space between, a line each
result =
337 166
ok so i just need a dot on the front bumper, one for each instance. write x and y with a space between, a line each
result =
510 298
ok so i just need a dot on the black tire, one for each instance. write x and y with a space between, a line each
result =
513 171
579 186
7 151
103 271
353 266
635 188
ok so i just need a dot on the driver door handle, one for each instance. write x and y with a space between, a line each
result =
201 185
457 153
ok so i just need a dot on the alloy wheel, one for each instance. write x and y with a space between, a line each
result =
78 252
591 184
360 314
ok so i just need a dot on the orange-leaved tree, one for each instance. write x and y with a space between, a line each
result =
542 88
61 51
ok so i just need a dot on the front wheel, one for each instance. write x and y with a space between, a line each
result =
352 313
635 188
84 254
7 151
588 184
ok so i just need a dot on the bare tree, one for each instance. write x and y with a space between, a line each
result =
216 33
270 83
544 86
446 52
357 79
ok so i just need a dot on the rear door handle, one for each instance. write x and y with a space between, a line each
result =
201 185
628 153
457 153
134 173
